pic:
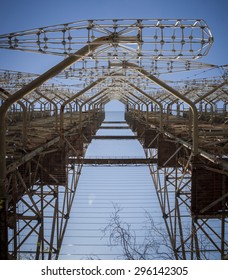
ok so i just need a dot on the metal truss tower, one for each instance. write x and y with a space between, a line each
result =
46 125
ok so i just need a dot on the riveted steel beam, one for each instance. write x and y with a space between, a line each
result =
178 95
87 101
153 100
73 97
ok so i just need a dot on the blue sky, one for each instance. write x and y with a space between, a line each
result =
25 14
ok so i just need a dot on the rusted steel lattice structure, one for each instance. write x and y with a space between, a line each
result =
47 125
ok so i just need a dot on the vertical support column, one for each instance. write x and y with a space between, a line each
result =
55 106
3 110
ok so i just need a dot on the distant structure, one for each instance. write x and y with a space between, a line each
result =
182 123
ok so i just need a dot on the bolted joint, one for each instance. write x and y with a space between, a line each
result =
67 216
39 219
178 193
114 37
165 216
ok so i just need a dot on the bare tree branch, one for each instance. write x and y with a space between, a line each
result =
155 244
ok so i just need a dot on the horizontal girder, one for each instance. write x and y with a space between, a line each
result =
113 161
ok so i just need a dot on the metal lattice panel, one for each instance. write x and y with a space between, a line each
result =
153 38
